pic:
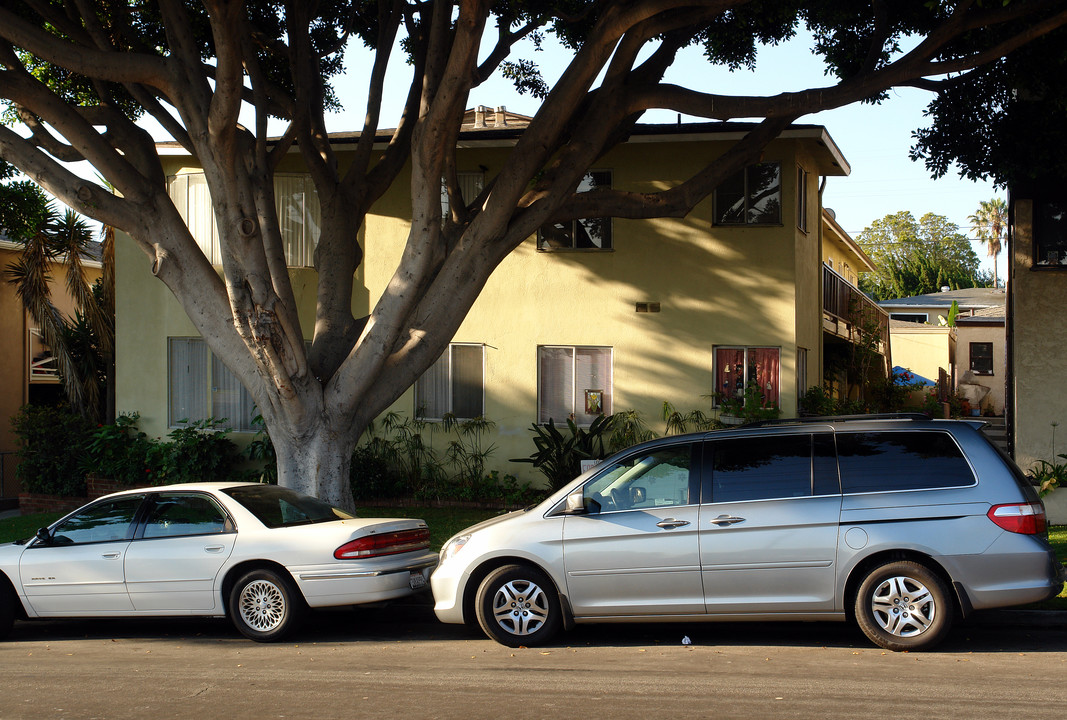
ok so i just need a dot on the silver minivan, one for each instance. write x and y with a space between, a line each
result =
901 524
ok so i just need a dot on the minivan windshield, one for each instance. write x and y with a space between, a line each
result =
280 507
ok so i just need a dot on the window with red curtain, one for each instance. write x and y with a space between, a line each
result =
736 367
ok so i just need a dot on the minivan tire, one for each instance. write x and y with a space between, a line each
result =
904 605
517 605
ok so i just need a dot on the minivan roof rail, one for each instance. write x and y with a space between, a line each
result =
838 418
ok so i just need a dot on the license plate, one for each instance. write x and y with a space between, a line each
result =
416 580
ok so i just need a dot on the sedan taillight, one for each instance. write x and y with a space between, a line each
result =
392 543
1023 518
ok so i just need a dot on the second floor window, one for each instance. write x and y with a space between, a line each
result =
583 234
296 201
454 385
751 197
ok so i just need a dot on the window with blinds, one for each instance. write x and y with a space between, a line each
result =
296 202
454 385
200 387
573 382
470 184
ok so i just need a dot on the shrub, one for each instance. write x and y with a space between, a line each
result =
559 456
1047 476
51 444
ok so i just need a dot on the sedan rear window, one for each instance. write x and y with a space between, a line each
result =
280 507
886 461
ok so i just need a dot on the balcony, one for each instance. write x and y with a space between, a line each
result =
849 314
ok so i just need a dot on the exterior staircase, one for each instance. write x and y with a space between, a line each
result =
996 432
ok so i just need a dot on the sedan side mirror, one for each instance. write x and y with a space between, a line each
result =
43 536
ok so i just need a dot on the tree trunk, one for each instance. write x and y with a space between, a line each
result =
317 463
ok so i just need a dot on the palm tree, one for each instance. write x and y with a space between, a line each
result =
991 226
82 346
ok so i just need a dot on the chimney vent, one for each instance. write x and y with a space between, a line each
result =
479 116
501 120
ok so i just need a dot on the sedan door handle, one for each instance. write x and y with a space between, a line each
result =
111 555
214 548
670 523
724 520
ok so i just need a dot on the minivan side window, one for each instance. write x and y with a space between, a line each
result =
658 478
905 460
778 466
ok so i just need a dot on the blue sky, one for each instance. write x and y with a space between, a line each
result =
874 138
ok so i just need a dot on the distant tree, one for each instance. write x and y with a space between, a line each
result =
915 258
991 226
23 205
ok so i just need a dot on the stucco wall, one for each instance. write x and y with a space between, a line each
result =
715 286
14 356
1040 336
922 350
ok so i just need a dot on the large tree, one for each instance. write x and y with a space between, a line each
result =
990 223
917 257
79 72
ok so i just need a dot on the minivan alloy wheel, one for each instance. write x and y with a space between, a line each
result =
903 606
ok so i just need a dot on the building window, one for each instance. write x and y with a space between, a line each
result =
454 385
802 199
982 358
738 368
573 382
470 184
1050 232
751 197
802 371
202 387
584 234
297 204
910 317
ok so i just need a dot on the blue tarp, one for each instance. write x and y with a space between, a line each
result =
903 376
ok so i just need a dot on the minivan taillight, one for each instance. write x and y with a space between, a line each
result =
1023 518
392 543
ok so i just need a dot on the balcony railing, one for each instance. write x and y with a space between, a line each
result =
850 314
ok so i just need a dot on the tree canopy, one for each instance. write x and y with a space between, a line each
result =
917 257
78 74
1006 121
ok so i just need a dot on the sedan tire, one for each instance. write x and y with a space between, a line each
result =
264 606
904 605
7 608
517 605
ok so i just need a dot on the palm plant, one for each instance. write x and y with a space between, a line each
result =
66 238
990 223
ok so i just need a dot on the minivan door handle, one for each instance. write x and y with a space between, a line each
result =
671 523
724 520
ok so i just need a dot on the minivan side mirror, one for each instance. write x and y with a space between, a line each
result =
576 503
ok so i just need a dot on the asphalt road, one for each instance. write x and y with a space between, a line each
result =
398 662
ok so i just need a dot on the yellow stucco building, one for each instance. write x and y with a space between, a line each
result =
29 372
587 317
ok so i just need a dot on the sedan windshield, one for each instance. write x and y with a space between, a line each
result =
280 507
